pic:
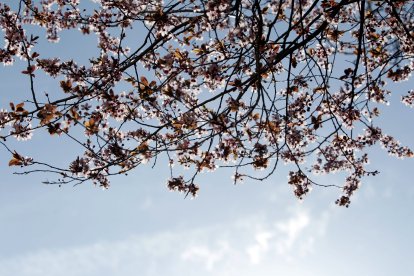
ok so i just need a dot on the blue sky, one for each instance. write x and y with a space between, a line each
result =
138 227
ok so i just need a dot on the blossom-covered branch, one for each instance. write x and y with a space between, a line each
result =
208 84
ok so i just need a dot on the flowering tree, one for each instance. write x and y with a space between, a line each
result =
209 84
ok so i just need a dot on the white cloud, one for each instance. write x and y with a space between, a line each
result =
231 248
291 229
207 255
290 238
256 251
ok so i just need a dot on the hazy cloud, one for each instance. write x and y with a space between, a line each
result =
234 246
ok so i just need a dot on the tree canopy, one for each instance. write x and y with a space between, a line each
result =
245 84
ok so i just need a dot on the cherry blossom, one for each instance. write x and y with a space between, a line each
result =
245 84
